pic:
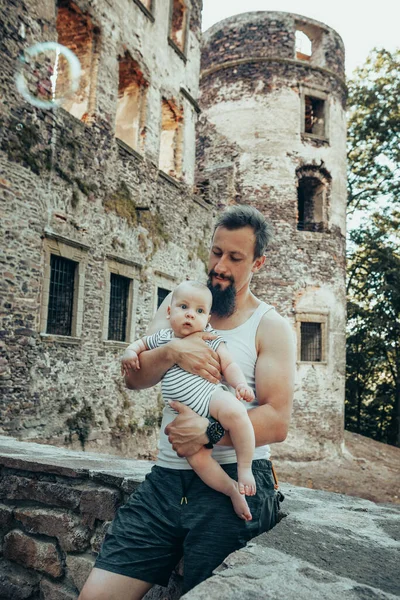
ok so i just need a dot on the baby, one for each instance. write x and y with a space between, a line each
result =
188 313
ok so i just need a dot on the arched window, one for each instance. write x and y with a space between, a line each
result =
303 46
131 105
312 193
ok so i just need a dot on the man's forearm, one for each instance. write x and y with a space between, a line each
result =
153 365
269 426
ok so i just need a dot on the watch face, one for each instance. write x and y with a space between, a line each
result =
215 431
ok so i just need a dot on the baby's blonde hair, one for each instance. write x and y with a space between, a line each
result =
195 284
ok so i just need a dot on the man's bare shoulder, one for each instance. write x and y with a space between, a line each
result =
273 329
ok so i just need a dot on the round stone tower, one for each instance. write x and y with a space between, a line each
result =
273 135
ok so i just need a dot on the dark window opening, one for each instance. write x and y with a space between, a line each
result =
203 189
61 295
310 204
162 293
311 342
118 315
178 24
314 117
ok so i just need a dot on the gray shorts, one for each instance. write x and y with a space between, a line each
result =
154 529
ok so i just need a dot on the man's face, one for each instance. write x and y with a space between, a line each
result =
231 266
189 311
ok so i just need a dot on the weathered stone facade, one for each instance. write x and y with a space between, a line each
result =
253 147
71 188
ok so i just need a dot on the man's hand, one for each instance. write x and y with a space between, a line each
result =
192 354
187 432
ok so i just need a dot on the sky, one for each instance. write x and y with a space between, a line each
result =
362 24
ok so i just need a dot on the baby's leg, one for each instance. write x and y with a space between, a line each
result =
214 476
234 418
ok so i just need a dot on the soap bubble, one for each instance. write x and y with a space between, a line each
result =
48 74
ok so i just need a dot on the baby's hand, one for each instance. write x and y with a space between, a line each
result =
129 360
244 392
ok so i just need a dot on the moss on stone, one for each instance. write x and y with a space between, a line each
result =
81 424
122 204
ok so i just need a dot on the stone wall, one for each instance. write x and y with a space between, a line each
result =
68 185
55 505
252 147
55 509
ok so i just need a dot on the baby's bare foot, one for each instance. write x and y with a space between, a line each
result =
240 506
246 481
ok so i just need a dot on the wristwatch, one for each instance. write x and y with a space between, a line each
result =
214 432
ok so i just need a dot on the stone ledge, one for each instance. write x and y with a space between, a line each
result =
70 463
328 546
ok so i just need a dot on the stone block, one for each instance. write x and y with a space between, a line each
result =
32 553
99 503
79 568
98 536
6 516
16 582
56 591
67 528
13 487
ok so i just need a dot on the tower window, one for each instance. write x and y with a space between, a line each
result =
61 295
131 105
311 342
178 24
76 31
171 138
303 46
314 116
311 194
162 293
118 315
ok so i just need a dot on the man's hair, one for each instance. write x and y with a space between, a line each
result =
195 284
242 215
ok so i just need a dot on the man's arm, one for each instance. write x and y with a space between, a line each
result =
275 373
190 353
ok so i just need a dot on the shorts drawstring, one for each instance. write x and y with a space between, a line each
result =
185 488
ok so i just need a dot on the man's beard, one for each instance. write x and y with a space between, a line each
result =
224 300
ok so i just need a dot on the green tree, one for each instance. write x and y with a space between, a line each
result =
373 342
374 131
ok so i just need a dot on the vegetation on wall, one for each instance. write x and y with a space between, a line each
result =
373 343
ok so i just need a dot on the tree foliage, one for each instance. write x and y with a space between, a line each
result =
374 131
373 342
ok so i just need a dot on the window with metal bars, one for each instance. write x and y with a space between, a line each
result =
311 342
61 295
162 293
118 315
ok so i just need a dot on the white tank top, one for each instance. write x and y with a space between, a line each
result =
241 343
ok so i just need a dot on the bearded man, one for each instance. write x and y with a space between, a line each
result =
173 513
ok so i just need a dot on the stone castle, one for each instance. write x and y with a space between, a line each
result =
109 200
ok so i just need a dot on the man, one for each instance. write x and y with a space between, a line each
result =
174 513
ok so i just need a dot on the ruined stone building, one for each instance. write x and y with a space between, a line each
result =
108 202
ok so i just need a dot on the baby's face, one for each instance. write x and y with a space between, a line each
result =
189 311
